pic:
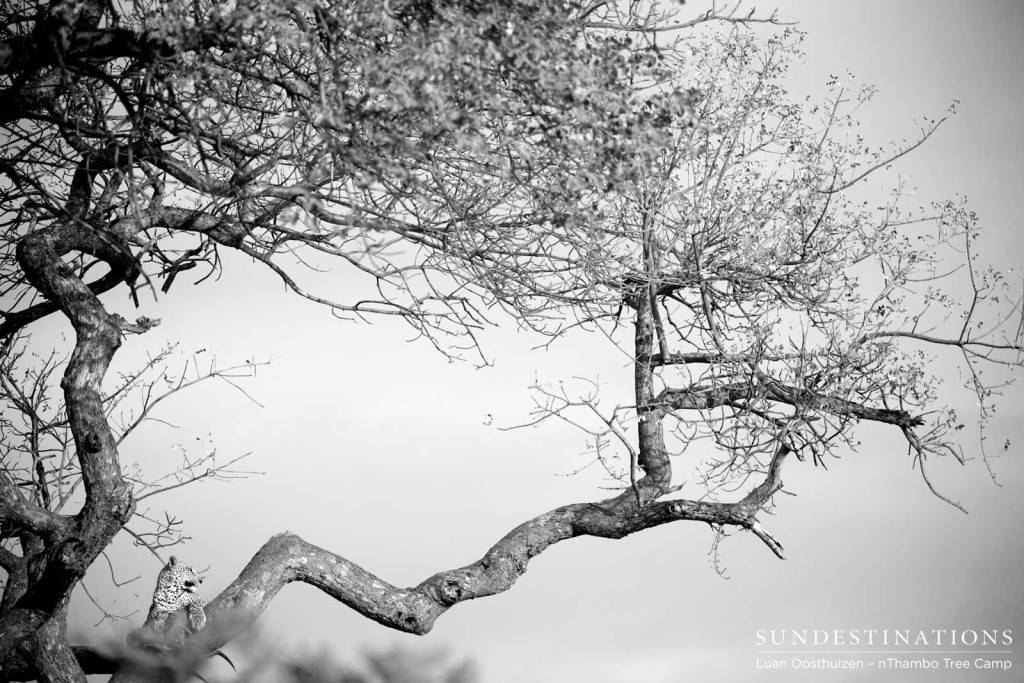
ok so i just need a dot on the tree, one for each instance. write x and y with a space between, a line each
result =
574 166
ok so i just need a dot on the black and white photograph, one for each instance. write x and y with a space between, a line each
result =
511 341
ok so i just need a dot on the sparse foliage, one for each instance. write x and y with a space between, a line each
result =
781 308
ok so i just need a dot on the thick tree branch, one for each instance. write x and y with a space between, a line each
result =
108 504
111 246
18 666
16 510
20 319
713 357
839 406
652 453
50 652
287 558
706 397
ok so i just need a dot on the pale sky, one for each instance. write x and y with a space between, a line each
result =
377 449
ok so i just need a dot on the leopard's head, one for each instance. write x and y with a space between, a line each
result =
177 577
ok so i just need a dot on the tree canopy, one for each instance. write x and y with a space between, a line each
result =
563 166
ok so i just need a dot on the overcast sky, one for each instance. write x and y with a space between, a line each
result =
378 449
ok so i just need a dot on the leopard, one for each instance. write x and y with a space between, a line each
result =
176 590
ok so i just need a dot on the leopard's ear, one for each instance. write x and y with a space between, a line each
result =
173 561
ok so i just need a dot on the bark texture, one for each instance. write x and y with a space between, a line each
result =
70 544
